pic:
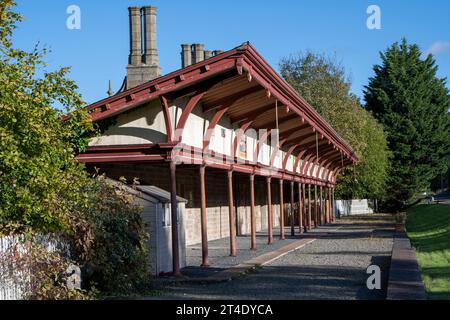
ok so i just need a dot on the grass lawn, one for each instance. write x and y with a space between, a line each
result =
429 230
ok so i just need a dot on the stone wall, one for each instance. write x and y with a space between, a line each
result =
188 187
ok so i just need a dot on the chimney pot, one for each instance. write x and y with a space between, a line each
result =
186 55
150 56
199 52
143 62
208 54
135 36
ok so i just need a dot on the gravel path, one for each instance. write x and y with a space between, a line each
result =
332 267
219 252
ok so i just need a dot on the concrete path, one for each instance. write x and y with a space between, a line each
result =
332 267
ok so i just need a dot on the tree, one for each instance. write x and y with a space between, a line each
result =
412 103
322 81
38 177
45 192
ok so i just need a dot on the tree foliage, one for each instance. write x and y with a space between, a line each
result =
110 239
412 103
38 272
322 81
43 190
38 177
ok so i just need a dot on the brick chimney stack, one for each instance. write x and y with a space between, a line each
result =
199 52
143 61
135 36
186 55
150 57
194 53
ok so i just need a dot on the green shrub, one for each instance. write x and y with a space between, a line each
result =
43 191
40 273
110 240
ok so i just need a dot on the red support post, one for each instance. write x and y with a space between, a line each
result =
321 207
252 212
203 220
325 209
174 215
282 236
333 206
325 204
292 210
269 212
232 219
309 208
315 206
300 208
329 205
305 222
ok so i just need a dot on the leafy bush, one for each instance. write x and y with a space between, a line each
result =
38 272
110 240
44 191
106 238
39 180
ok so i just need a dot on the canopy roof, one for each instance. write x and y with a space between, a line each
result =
242 85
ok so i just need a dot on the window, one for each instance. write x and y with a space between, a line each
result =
166 218
167 215
243 148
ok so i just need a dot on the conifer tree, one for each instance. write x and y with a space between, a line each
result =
412 103
323 82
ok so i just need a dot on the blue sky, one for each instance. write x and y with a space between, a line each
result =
99 51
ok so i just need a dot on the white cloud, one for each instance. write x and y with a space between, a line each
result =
438 48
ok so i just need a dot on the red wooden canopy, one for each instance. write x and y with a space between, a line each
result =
238 83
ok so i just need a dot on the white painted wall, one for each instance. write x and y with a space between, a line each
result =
139 126
352 207
195 127
156 216
146 125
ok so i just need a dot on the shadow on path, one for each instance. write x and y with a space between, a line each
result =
332 267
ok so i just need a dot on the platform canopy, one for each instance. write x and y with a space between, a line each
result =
238 83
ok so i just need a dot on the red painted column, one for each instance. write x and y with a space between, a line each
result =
203 220
232 219
269 212
325 212
174 215
333 206
300 208
282 237
315 206
330 206
305 221
325 206
309 208
321 206
252 212
292 210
